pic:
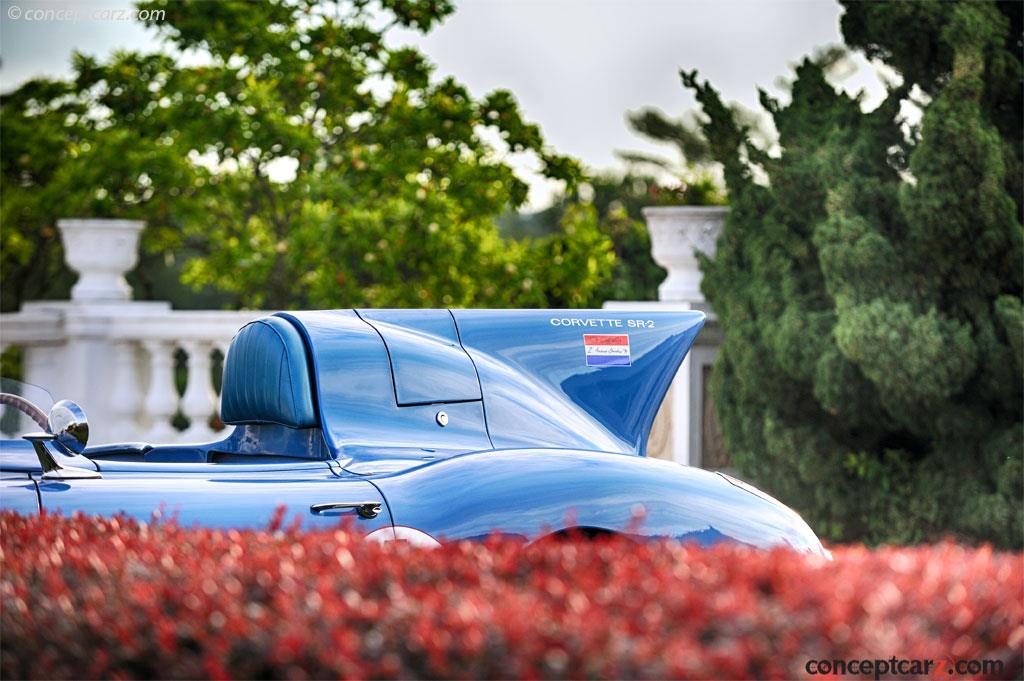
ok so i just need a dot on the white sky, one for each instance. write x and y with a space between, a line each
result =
576 66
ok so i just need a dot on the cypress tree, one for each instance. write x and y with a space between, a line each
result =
869 284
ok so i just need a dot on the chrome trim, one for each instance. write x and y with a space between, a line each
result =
365 509
52 468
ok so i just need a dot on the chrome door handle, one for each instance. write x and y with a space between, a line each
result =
365 509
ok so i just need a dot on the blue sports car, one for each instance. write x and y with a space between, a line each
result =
424 425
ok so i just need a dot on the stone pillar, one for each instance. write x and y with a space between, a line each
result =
115 356
101 251
678 233
85 362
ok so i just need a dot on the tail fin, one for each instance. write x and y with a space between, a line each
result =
584 379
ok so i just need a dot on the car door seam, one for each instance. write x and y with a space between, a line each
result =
483 401
391 363
391 516
39 495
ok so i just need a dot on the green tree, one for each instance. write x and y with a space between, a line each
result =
305 162
619 198
870 289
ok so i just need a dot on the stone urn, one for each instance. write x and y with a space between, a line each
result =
101 251
678 233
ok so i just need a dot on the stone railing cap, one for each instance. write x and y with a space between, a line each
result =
662 211
101 222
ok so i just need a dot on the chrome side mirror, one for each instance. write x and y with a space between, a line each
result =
69 426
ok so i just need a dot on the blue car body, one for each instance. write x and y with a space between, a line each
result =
437 424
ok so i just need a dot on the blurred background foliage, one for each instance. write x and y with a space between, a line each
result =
869 283
305 164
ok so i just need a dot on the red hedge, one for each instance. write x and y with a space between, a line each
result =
93 597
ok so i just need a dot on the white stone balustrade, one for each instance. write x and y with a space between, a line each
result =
116 357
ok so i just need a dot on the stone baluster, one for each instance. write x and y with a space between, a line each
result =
124 397
198 402
161 400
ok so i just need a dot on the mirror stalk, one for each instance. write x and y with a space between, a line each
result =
52 468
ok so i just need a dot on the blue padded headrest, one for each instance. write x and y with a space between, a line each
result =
267 377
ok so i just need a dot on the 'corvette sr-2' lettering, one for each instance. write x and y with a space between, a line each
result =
598 322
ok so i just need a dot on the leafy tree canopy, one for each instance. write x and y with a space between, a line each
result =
869 285
304 162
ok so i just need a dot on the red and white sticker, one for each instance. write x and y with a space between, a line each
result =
606 350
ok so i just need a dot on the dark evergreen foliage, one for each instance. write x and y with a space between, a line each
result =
870 286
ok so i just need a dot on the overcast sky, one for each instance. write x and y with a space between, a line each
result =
576 66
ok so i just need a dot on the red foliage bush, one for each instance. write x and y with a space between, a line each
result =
94 597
